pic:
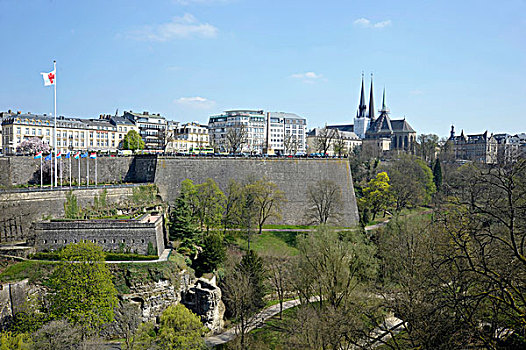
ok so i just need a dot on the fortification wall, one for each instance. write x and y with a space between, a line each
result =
26 170
19 209
291 175
110 234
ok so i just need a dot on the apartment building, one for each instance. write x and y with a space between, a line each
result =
103 134
260 132
187 137
152 128
287 133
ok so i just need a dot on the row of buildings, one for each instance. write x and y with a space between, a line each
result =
233 131
251 132
486 148
247 131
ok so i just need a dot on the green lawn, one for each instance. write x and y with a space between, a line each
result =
270 242
288 227
33 270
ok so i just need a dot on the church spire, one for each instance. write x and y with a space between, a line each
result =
362 107
384 107
371 101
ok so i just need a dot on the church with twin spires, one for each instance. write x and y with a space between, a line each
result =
381 131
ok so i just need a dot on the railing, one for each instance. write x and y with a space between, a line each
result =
37 188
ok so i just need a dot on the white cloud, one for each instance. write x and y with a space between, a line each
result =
362 22
197 102
307 77
183 27
365 23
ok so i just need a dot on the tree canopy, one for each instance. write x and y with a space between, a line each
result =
132 141
82 288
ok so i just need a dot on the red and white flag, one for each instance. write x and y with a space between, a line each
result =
49 78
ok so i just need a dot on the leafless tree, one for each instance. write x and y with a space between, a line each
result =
290 144
236 137
279 275
323 140
325 202
339 144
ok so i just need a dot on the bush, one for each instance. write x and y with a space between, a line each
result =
54 256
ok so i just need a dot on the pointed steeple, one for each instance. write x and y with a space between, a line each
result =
362 107
384 107
371 100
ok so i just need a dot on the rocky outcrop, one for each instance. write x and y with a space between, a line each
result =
204 299
145 301
202 296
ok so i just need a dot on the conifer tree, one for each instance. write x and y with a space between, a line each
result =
252 265
437 174
182 222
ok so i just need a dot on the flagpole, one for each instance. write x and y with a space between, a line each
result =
51 167
78 185
87 171
96 170
41 177
61 169
55 128
69 170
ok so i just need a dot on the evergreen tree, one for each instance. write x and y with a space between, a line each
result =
252 266
437 174
212 255
182 222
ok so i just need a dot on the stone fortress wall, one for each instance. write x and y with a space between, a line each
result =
18 210
292 175
110 234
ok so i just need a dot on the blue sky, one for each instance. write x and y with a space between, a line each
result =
442 62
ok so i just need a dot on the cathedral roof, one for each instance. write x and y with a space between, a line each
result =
401 125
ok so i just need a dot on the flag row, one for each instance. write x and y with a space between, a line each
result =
68 155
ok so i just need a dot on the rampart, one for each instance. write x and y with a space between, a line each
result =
291 175
112 235
19 209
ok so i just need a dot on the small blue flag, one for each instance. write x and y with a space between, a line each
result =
48 157
84 155
68 155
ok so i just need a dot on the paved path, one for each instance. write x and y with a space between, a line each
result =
256 321
164 256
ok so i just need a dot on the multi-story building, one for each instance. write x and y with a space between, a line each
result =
480 148
152 128
271 132
246 125
188 137
338 142
287 133
510 147
103 134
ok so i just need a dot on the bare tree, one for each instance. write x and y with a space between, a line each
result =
236 137
267 200
325 202
238 293
323 140
279 275
339 144
290 144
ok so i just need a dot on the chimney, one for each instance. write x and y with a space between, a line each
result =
17 112
145 112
